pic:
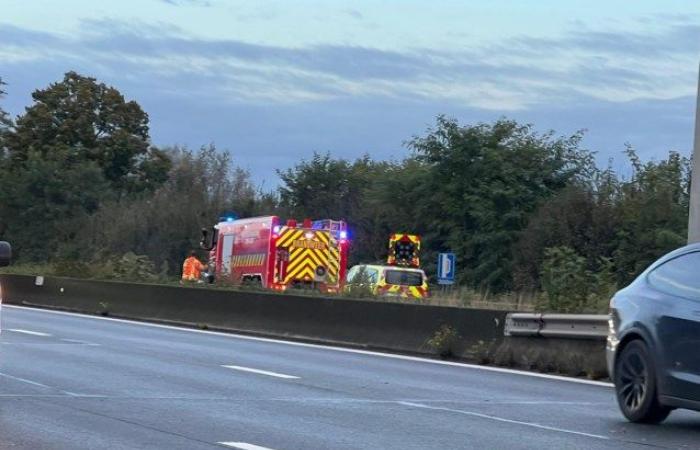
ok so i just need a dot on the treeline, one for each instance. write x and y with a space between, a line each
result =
83 189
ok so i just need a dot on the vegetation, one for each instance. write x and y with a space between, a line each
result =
529 215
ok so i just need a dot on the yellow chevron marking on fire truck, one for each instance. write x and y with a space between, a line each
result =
323 236
294 258
305 265
304 271
294 263
306 256
287 236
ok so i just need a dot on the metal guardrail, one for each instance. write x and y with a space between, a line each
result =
571 326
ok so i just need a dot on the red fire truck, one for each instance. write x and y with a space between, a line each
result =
265 252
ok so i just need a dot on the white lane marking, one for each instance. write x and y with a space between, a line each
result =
73 394
243 446
328 347
24 380
261 372
78 341
33 333
504 420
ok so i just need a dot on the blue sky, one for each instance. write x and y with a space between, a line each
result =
273 81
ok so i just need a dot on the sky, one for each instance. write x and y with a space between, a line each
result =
274 81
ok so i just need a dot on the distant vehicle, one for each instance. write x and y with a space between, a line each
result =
653 347
5 257
264 252
389 281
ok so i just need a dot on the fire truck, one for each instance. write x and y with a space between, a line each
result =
265 252
400 277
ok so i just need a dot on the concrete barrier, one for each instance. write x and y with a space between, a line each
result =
359 323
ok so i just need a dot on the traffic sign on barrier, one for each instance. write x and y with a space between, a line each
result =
446 268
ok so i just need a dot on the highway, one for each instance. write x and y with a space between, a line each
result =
76 382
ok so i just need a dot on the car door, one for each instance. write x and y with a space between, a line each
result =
677 324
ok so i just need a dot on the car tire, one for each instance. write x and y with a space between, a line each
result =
635 385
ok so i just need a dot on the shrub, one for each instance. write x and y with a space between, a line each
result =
443 341
570 287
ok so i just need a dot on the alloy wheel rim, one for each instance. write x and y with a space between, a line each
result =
633 381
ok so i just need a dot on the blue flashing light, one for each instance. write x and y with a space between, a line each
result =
230 219
343 234
276 229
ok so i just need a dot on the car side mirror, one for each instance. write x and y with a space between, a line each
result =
5 253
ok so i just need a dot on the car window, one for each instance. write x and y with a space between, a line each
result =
678 276
352 273
372 275
404 277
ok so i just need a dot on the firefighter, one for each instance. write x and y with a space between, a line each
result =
192 268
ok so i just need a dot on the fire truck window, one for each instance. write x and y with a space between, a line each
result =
404 277
227 253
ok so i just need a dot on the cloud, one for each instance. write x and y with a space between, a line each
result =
355 14
203 3
515 74
285 102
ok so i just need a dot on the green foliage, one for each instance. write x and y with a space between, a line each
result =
91 122
326 188
570 287
653 211
166 224
482 184
133 267
41 202
444 340
83 193
629 222
79 145
5 122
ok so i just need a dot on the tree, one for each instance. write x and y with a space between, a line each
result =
327 188
90 121
5 122
41 204
483 183
653 212
165 225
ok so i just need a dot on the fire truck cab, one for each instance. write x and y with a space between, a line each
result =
264 252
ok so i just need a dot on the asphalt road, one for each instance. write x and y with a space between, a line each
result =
76 382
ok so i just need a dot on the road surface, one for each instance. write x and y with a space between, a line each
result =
76 382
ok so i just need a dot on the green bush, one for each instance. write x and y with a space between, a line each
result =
443 341
570 287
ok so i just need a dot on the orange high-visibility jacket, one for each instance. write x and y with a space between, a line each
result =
192 269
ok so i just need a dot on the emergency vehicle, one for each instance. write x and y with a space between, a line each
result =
401 277
263 251
404 250
390 281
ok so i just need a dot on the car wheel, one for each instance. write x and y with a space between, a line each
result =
635 385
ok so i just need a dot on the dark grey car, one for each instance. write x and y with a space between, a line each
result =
653 347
